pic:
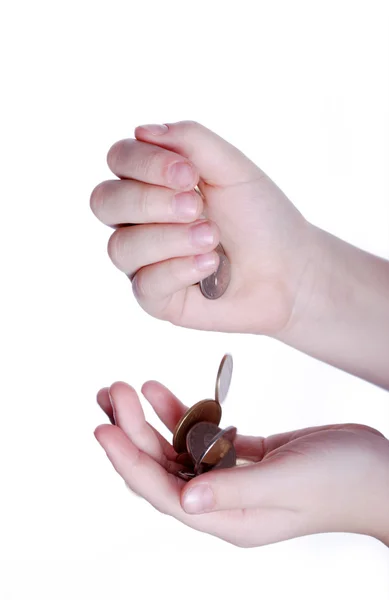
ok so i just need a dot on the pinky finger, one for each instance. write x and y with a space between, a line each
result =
154 285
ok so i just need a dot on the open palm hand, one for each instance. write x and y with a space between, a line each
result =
309 481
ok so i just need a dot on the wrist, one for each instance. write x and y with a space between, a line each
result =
341 309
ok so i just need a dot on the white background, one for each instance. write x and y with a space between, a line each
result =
303 89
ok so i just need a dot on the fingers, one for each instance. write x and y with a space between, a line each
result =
131 248
142 473
219 162
132 159
250 447
147 478
154 285
168 408
263 485
119 202
130 418
121 404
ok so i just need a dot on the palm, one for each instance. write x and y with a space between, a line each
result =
259 227
304 459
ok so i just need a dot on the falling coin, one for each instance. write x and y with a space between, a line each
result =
205 410
199 438
223 379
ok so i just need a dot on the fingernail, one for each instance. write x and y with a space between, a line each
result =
185 205
181 174
198 499
113 408
202 234
155 129
206 262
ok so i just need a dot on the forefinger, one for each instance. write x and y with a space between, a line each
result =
131 159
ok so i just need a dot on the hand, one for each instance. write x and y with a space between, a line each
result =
321 479
289 279
266 239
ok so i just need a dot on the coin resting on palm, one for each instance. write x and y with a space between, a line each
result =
218 452
206 410
199 441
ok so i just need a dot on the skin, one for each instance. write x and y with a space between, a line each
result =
291 281
321 479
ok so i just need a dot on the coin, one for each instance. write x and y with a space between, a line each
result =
226 462
223 378
186 475
184 459
205 410
214 286
199 437
219 447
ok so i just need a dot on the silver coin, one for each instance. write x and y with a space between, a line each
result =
223 379
221 445
185 475
215 285
199 437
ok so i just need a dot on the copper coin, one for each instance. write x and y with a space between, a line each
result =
218 448
205 410
184 459
214 286
199 438
223 379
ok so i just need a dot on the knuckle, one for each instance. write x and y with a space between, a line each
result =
161 237
189 124
114 153
151 161
146 204
117 247
134 465
145 286
139 286
175 269
137 460
97 198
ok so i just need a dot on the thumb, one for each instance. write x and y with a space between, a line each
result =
266 484
219 162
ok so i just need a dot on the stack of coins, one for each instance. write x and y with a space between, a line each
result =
200 443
